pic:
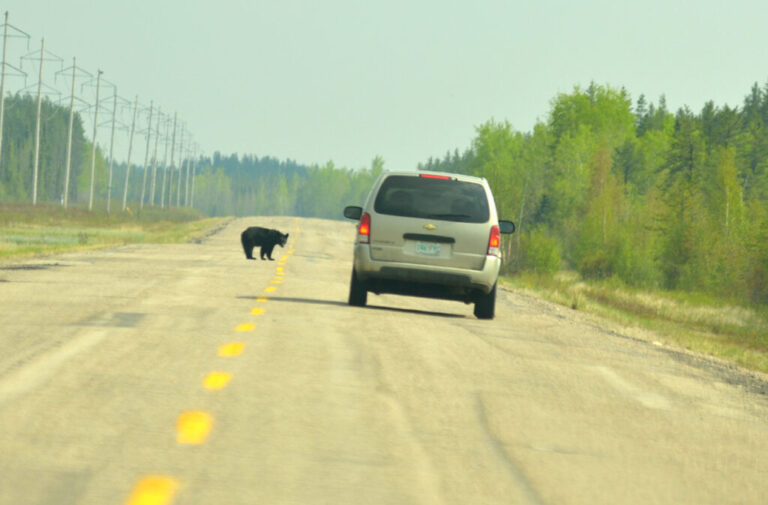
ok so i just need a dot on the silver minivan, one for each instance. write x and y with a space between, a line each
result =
428 234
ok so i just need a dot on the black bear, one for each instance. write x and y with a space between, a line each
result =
264 237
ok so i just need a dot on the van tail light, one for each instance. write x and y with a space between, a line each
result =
364 229
494 242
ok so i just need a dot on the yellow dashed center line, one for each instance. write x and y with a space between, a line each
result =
193 427
153 490
216 380
231 349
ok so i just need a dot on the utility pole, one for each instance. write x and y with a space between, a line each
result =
154 159
181 168
72 98
170 169
93 146
65 201
112 148
114 124
37 124
146 157
2 82
130 148
4 64
165 163
186 179
187 182
194 170
36 161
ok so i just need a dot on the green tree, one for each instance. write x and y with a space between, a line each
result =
682 226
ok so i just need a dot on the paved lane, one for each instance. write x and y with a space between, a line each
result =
184 374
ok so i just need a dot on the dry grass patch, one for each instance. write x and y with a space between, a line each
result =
27 230
703 324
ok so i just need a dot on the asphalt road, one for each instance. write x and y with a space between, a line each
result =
184 374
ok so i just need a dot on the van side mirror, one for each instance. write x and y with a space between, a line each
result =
506 227
353 212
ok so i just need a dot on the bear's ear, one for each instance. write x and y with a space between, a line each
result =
286 235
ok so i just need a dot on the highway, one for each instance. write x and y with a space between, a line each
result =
184 374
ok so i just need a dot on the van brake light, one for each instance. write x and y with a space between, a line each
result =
364 229
434 176
494 242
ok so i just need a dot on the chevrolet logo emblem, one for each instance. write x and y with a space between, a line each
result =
430 227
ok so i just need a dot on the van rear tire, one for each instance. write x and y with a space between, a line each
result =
358 295
485 306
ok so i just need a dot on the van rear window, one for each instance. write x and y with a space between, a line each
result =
440 199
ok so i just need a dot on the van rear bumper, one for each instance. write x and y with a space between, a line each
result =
425 280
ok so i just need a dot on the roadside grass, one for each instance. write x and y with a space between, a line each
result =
696 322
28 231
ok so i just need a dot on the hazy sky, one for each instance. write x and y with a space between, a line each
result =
346 80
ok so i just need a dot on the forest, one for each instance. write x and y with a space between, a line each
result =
252 186
611 188
634 192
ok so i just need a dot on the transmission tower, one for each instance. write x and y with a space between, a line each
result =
186 177
15 33
146 156
194 170
170 169
181 166
41 56
115 125
130 148
166 138
154 158
75 70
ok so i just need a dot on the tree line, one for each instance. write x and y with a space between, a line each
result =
253 186
634 192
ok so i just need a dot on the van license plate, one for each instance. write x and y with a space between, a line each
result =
428 248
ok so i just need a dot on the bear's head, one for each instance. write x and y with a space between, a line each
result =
283 239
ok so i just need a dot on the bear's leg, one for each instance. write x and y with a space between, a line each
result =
269 251
247 247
